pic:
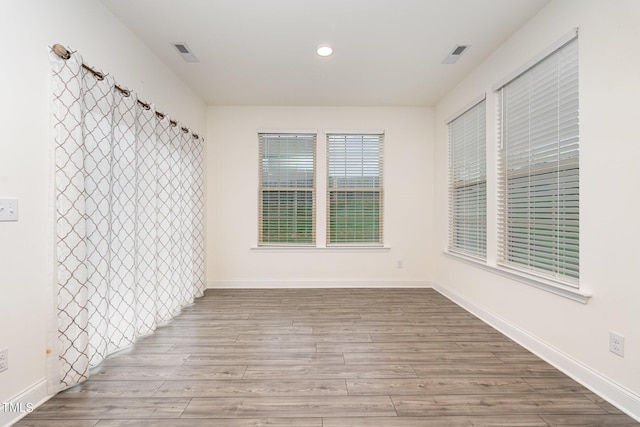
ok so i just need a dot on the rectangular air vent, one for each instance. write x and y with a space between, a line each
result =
457 51
184 52
181 48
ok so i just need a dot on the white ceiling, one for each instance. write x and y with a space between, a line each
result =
262 52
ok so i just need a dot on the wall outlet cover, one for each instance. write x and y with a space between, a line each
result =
616 343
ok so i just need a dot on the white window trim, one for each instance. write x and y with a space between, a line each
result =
380 190
313 190
566 290
349 249
575 283
536 59
291 131
458 114
320 243
466 108
353 132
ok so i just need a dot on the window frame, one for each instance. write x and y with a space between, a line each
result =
464 239
284 189
560 268
334 189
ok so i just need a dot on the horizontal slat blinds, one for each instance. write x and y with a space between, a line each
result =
287 189
539 167
355 191
468 183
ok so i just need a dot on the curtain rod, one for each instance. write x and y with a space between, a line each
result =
63 53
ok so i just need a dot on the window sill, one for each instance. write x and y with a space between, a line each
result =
320 249
555 287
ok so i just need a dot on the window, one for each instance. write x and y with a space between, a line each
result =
538 190
287 189
468 183
354 196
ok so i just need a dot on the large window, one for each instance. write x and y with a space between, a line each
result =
354 196
468 183
287 189
538 191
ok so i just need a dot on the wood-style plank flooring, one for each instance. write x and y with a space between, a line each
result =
326 358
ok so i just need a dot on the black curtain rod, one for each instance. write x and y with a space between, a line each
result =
63 53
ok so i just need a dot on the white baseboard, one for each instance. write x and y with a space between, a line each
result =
314 284
619 396
24 403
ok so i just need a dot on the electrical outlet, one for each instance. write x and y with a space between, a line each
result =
616 343
4 360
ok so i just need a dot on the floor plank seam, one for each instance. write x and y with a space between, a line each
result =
298 358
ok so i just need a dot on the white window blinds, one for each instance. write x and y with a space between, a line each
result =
355 191
287 189
468 183
538 167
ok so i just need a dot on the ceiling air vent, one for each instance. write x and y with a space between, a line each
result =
184 52
455 54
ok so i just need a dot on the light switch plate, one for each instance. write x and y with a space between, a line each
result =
8 209
4 359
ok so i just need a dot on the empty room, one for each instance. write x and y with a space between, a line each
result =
304 213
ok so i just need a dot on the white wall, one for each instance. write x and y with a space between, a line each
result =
610 200
232 214
610 153
28 28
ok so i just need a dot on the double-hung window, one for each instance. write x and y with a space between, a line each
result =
287 189
468 182
355 191
538 192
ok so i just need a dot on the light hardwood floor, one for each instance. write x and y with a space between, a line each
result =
326 358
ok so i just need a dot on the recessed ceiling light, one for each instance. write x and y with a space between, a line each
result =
324 50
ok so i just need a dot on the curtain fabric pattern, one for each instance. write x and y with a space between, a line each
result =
128 217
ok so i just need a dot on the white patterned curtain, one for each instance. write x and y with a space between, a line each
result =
128 217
